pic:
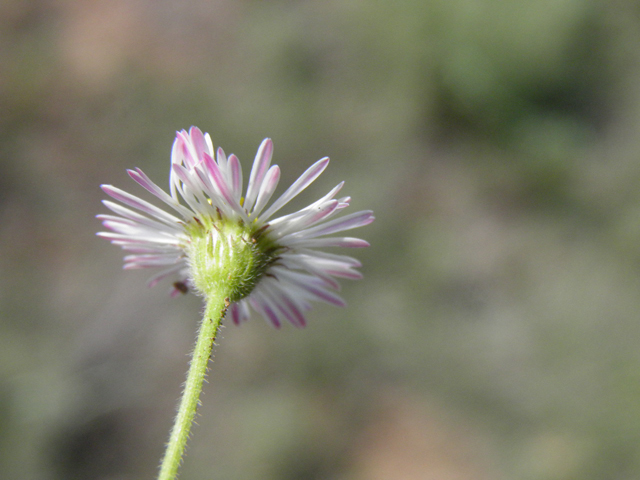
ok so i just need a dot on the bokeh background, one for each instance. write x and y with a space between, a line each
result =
496 334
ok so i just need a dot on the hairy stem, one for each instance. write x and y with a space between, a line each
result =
213 315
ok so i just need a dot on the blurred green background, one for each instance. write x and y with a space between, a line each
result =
496 332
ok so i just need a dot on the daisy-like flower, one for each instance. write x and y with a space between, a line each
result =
216 240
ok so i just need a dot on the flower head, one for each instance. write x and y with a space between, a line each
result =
216 240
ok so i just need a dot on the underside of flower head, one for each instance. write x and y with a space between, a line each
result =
228 255
218 240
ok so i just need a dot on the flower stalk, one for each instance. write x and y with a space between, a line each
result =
214 313
229 247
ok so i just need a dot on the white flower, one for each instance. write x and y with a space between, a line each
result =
216 239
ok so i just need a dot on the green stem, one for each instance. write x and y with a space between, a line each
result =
213 315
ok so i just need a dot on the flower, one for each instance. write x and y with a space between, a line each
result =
218 241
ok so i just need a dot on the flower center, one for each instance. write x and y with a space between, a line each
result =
228 256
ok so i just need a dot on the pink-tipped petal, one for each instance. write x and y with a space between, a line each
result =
124 212
145 182
324 295
357 219
344 259
265 307
267 188
306 218
234 313
221 159
298 186
239 312
139 204
191 189
236 177
140 238
284 304
218 181
188 151
347 242
207 140
199 144
312 286
258 171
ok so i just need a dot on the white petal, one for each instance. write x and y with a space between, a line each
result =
305 218
347 242
258 171
130 214
144 181
298 186
236 177
140 204
267 188
357 219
